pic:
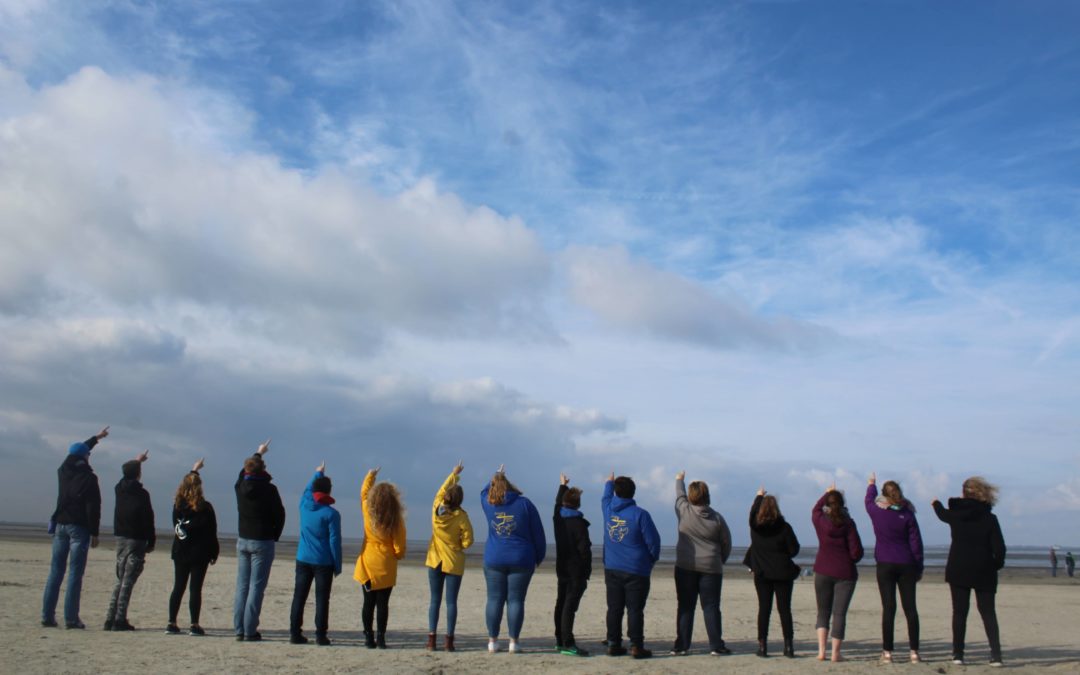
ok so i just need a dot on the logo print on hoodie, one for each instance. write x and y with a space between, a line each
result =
503 524
181 528
617 529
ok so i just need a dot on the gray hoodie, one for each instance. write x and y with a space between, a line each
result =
704 538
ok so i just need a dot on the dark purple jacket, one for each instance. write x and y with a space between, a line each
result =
839 546
896 531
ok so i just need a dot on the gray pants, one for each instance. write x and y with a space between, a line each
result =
833 599
130 559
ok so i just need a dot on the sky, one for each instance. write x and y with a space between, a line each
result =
773 244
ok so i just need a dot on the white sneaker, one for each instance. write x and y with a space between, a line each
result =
493 646
514 648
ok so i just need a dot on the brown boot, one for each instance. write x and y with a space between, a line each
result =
430 646
449 643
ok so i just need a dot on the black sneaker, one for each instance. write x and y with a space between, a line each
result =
722 650
75 625
239 637
49 623
573 650
254 637
121 626
322 641
297 639
677 650
196 630
172 629
615 649
108 625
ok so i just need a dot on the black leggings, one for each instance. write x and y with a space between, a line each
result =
766 588
961 604
891 576
183 571
373 600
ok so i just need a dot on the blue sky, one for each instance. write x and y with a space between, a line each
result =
771 243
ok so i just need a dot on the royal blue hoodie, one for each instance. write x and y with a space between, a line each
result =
631 542
320 531
515 532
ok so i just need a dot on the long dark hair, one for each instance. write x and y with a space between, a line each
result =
836 510
769 511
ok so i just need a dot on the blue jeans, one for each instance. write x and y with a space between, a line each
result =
73 539
436 578
690 587
506 585
253 561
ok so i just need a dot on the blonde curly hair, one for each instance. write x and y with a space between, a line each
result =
385 508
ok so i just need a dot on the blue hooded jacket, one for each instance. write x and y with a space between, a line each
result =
320 531
631 542
515 532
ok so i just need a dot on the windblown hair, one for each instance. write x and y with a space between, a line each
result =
453 498
892 492
980 489
385 509
769 511
189 494
500 485
254 464
572 498
837 511
698 493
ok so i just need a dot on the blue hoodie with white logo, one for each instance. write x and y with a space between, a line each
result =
320 529
515 532
631 542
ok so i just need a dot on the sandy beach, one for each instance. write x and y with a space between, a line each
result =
1038 622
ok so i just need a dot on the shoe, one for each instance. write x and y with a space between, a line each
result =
722 650
75 625
369 639
640 652
121 626
297 639
996 662
615 649
789 649
915 657
573 650
239 637
49 623
380 640
958 659
255 637
448 643
322 641
762 648
430 646
493 646
171 629
886 657
108 626
677 650
196 630
514 648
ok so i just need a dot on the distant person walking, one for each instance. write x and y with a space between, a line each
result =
771 558
835 573
74 529
898 550
318 557
631 549
451 534
133 528
261 520
383 547
1053 561
194 548
573 564
703 547
975 556
515 547
1070 563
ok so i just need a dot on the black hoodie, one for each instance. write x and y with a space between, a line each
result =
772 548
195 539
78 501
978 548
133 516
262 516
573 548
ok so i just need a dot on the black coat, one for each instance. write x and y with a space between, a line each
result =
773 548
262 516
978 548
199 531
573 548
78 500
133 516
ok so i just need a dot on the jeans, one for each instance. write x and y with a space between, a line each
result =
567 601
323 576
73 539
626 593
436 580
506 586
130 560
891 576
833 600
691 586
253 560
961 603
766 589
182 571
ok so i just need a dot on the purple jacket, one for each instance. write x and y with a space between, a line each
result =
896 530
839 546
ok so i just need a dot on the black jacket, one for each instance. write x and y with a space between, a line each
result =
195 535
78 501
978 548
773 548
133 516
262 516
573 548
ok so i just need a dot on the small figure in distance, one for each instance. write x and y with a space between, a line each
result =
133 527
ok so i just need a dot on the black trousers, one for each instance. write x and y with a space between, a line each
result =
323 575
182 573
376 600
626 593
890 577
691 587
961 604
766 589
567 600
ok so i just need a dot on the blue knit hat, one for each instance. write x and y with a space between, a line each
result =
80 449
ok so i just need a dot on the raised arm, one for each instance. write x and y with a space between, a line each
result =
755 507
564 485
818 512
609 493
943 514
450 482
308 496
365 487
681 502
871 495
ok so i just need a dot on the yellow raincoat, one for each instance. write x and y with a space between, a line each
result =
380 553
451 534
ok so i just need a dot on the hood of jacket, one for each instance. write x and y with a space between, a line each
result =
570 513
253 485
621 503
74 465
883 503
966 508
128 486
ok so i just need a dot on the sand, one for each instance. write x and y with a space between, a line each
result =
1039 625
